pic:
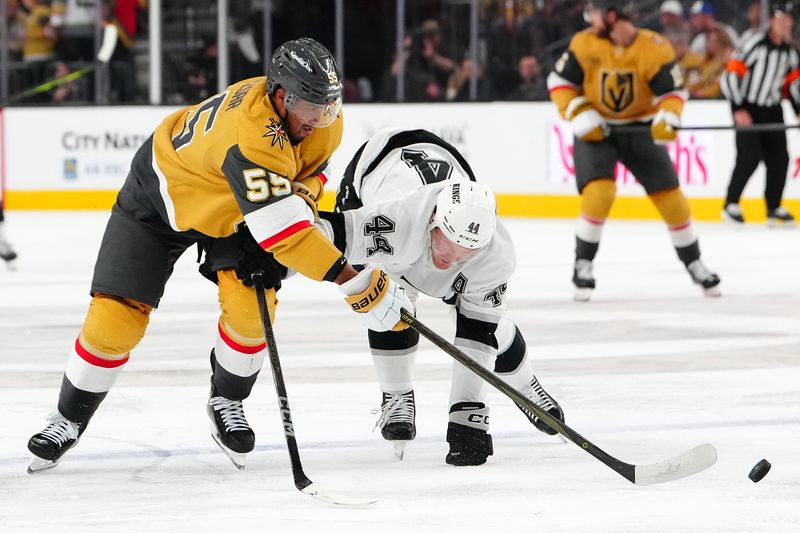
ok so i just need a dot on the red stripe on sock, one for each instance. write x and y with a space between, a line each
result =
96 361
283 234
592 220
323 178
241 348
678 228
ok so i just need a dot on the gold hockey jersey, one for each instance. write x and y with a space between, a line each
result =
624 84
229 159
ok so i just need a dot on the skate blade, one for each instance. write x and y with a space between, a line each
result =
11 264
777 224
582 294
39 465
712 292
400 448
239 460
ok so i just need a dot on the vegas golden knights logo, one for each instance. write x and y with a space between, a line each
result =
617 89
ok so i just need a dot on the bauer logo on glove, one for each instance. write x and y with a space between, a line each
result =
373 296
377 299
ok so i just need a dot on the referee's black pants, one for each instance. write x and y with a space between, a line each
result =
752 148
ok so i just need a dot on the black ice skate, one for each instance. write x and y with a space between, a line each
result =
547 403
7 253
53 442
702 276
470 442
583 279
229 428
398 413
779 217
733 213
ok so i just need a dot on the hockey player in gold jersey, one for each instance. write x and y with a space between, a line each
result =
243 167
615 73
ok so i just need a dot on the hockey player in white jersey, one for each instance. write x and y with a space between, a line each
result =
409 202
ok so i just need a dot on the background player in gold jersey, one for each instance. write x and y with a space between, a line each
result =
252 154
615 73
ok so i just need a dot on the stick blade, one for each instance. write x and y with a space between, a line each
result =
336 498
682 465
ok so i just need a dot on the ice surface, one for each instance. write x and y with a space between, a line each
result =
647 369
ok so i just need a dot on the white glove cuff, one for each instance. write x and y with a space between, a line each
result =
667 117
357 284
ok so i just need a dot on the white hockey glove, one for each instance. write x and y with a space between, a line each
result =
377 299
664 127
587 123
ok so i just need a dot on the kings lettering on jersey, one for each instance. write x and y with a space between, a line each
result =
624 84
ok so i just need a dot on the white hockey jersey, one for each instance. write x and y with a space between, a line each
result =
396 177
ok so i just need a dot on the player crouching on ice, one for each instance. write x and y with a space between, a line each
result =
409 202
615 73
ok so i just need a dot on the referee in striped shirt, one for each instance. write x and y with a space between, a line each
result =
763 69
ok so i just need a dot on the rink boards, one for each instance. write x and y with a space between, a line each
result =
78 157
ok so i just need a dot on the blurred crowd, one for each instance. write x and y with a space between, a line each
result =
48 40
518 41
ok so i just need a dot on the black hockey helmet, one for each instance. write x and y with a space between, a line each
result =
781 8
308 73
624 8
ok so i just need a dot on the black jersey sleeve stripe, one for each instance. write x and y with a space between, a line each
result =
664 81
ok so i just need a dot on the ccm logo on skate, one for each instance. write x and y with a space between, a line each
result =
368 300
478 419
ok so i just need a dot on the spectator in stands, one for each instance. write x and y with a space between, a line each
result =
16 31
122 14
74 21
40 37
459 82
532 84
754 19
508 39
671 16
201 72
705 84
702 20
427 70
689 62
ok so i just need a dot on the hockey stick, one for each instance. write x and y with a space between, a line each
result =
682 465
754 128
301 481
110 37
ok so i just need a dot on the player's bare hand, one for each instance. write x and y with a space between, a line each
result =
742 117
377 299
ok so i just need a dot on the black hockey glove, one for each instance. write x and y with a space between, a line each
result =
243 254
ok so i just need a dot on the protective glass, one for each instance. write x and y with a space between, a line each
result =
314 115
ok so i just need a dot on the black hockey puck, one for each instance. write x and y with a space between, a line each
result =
759 471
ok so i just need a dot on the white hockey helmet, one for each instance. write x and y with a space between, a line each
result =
466 212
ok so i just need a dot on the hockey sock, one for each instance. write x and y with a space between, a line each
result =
597 197
394 353
235 364
87 380
512 364
684 238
